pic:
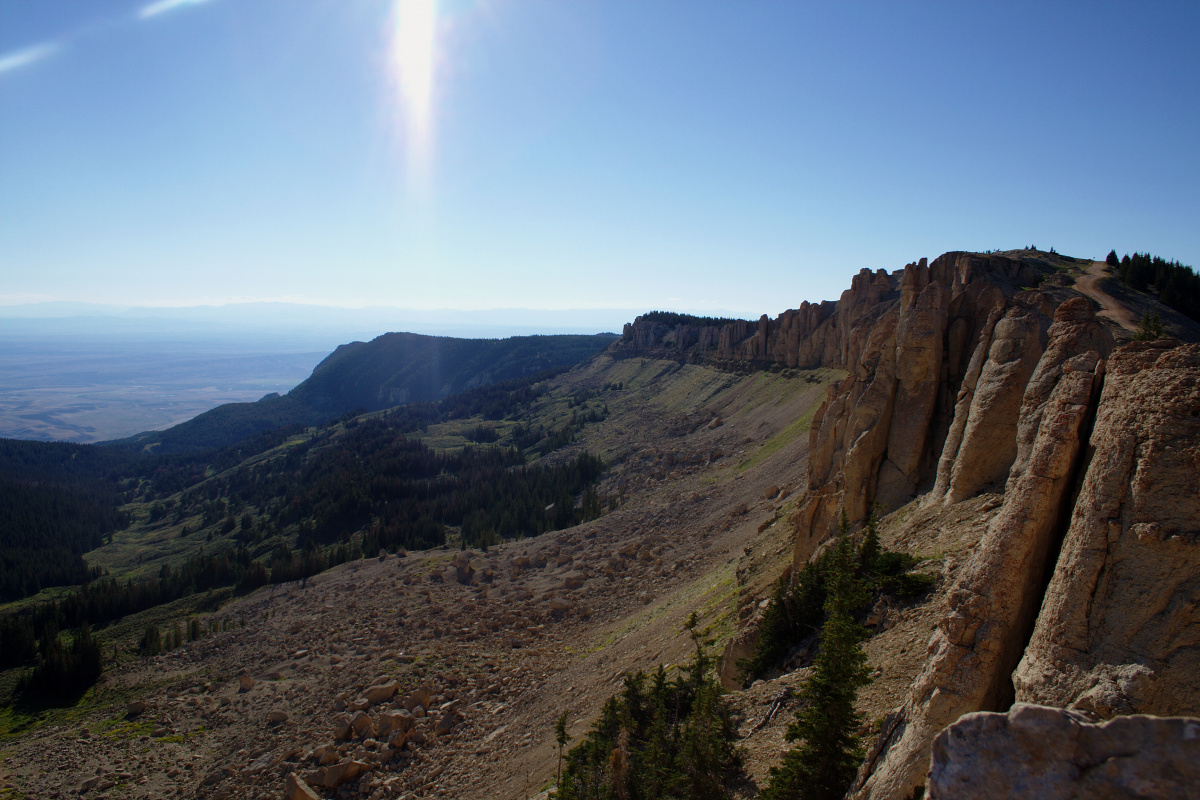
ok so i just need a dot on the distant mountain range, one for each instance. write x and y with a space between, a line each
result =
387 371
295 323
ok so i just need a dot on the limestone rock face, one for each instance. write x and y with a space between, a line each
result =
992 605
1075 330
919 358
832 334
1118 629
982 446
944 364
1050 754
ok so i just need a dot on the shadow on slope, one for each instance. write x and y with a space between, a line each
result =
390 370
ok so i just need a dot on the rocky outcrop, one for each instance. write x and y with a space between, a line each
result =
827 334
1034 751
990 610
981 445
1118 631
945 362
911 342
740 647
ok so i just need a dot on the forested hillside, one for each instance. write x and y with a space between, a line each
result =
1177 285
390 370
277 506
57 501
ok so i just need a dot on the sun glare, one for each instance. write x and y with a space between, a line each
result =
413 54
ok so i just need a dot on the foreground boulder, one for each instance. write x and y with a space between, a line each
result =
1051 754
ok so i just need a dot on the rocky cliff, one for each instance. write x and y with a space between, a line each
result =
1101 501
990 610
1118 631
961 380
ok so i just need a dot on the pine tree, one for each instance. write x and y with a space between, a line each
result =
1150 327
561 737
825 763
152 643
868 554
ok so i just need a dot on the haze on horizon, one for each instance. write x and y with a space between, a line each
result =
497 154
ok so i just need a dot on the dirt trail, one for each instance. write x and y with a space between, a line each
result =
1089 284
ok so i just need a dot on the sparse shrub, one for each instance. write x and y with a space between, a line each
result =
482 434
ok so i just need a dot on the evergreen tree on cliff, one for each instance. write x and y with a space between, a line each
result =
825 763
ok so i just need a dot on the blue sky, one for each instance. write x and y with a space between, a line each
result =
722 156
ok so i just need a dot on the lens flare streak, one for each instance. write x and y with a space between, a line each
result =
413 55
29 55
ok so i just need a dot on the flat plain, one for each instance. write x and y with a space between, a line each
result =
94 390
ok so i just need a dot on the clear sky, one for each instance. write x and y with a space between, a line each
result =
739 156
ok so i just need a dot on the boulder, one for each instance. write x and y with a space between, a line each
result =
739 647
394 721
342 729
1052 754
259 765
420 698
362 725
295 788
135 708
245 683
448 719
346 770
276 717
381 692
463 570
213 777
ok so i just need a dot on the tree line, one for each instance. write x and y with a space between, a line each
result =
344 497
1178 285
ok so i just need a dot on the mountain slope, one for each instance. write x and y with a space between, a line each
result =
389 370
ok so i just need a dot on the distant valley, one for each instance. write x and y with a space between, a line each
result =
90 391
88 373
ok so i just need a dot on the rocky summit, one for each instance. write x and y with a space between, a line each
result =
994 417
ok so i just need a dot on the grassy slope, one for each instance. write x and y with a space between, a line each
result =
659 387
